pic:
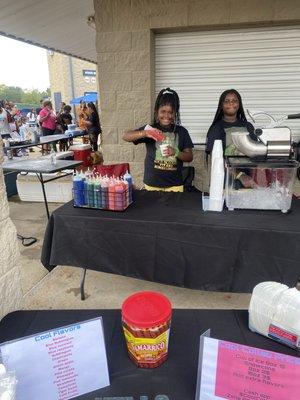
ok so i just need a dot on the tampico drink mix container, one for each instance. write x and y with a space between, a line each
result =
146 320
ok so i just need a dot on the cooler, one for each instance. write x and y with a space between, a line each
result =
57 191
82 152
260 185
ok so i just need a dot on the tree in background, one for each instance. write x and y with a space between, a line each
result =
21 96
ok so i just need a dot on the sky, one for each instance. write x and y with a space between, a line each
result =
24 65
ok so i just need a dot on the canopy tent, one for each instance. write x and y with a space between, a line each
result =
91 97
64 26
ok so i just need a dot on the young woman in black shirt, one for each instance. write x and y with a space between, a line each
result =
168 144
229 117
93 126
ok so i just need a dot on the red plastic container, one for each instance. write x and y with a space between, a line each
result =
82 152
146 319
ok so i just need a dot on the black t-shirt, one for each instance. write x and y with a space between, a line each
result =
95 128
64 119
163 171
222 130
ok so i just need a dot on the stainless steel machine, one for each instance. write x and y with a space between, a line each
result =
263 178
273 141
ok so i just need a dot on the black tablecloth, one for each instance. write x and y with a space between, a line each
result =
167 238
176 378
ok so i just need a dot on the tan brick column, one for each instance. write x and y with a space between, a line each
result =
10 287
124 70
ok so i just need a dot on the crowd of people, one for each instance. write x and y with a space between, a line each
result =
10 117
168 143
49 122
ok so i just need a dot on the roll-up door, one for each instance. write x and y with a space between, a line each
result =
263 64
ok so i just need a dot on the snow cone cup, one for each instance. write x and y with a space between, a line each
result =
146 320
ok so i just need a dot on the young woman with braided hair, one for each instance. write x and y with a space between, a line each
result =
168 144
229 116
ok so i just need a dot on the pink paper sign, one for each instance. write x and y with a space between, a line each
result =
250 373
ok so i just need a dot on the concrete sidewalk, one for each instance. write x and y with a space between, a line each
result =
60 288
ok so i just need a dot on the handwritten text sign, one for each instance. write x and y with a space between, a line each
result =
59 364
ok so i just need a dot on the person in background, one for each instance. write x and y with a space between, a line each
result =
63 120
15 117
47 119
82 117
62 105
168 144
38 110
92 124
31 116
8 105
4 124
22 132
229 117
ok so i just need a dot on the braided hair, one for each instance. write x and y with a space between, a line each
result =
219 113
168 97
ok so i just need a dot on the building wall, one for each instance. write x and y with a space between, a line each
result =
60 74
10 287
125 51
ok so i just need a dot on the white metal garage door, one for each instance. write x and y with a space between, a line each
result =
262 64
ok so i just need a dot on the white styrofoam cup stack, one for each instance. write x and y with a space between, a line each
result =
275 307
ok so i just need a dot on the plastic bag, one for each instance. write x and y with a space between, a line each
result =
8 383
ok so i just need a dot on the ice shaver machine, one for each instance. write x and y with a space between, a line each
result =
263 176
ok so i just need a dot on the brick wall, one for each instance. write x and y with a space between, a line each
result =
60 76
125 52
10 288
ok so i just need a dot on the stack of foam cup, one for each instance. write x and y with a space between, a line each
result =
274 312
288 310
216 198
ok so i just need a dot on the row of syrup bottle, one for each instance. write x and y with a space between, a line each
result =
102 192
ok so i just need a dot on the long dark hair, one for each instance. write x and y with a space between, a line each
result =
219 113
166 97
94 110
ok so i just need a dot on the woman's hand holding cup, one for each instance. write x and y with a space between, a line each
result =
167 150
155 134
164 148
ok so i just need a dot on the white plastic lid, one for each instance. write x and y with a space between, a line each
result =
76 147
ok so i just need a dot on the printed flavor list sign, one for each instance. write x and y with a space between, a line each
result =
237 372
59 364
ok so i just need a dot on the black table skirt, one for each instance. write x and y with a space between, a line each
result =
176 378
167 238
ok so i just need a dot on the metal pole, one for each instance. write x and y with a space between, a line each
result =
71 75
40 177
